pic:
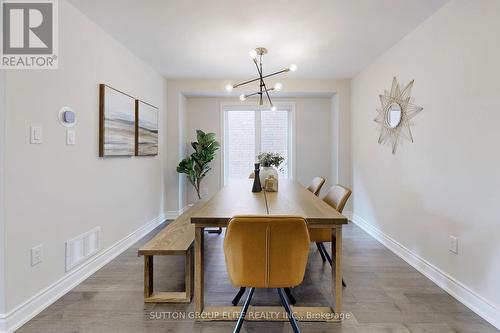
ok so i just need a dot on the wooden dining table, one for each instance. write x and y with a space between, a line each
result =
292 198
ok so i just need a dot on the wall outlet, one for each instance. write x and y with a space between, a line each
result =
36 255
453 244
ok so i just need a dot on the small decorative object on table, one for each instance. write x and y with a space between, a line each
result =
256 181
269 162
271 184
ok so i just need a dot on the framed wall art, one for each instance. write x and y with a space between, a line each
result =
116 122
146 140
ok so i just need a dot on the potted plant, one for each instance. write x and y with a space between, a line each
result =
197 165
270 162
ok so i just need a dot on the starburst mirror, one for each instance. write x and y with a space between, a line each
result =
395 114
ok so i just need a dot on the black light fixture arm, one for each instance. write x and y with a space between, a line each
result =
263 77
263 91
263 88
263 84
258 92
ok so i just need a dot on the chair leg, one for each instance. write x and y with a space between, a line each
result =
291 318
330 260
237 298
288 293
320 250
244 311
325 253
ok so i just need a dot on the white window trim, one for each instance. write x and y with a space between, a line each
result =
232 106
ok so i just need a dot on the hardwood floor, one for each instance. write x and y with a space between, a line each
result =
384 294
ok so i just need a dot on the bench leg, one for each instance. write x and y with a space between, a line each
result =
150 296
148 276
189 271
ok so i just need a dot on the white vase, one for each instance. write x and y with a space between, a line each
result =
266 172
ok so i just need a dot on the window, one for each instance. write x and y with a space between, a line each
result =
240 143
274 135
249 131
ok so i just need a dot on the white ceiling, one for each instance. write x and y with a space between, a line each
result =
211 38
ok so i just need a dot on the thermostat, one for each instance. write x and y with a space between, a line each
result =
67 117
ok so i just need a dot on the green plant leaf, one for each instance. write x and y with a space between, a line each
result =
197 165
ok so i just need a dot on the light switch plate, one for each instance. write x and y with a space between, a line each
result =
36 255
453 244
36 135
70 137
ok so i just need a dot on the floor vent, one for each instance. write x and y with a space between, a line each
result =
82 247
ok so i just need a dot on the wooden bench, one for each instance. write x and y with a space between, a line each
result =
176 238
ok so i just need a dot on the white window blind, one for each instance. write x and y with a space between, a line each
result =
240 143
274 135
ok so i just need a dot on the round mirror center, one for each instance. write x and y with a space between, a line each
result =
393 115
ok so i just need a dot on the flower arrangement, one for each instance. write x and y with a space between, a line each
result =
267 159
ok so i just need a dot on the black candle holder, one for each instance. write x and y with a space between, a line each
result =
257 187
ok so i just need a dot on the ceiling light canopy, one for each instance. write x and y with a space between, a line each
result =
263 91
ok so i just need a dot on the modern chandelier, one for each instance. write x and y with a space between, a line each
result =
263 91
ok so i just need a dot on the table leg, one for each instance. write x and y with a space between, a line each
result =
199 240
337 271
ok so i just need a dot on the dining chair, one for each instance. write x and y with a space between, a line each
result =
336 197
316 185
266 252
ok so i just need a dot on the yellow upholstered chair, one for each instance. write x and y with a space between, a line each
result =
266 252
316 185
336 197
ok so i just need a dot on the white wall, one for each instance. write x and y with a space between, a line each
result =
183 152
55 192
312 154
447 182
179 88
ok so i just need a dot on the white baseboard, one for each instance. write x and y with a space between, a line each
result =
183 210
173 214
462 293
17 317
